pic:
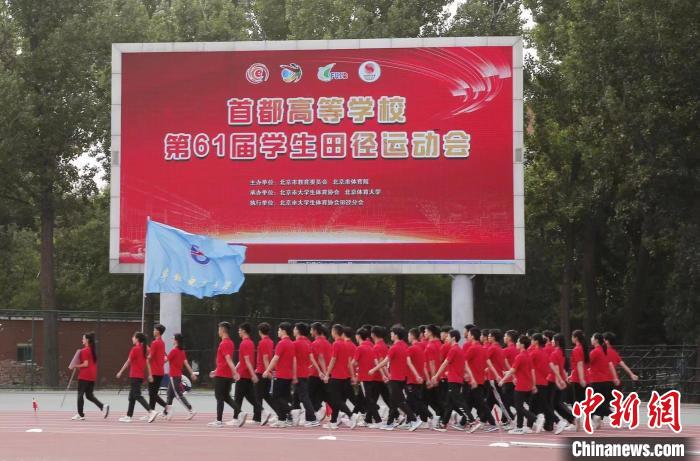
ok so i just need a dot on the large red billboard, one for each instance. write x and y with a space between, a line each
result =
364 155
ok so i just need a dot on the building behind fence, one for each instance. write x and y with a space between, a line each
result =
660 367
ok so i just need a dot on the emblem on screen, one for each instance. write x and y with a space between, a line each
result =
326 74
198 256
369 71
291 73
257 73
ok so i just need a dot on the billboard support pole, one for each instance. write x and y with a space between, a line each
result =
170 316
462 301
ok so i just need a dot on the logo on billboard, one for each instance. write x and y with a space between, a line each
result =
257 73
326 74
291 73
198 256
369 71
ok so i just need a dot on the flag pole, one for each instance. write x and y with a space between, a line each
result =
143 293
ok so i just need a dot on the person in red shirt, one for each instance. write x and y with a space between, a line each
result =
321 351
357 397
541 403
263 356
417 376
422 340
432 362
156 359
363 361
603 377
549 346
338 380
378 335
453 365
475 368
398 372
510 351
495 363
444 350
177 359
245 386
87 375
224 374
467 388
138 370
610 339
302 367
282 364
524 374
557 384
580 358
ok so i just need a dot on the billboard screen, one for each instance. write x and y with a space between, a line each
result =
324 156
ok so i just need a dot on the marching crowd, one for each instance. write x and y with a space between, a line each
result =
522 383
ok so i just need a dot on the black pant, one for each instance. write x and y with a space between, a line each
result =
245 388
454 401
317 392
543 404
262 389
282 398
86 388
153 396
338 392
397 401
605 388
508 394
556 399
301 393
135 396
222 392
491 400
371 392
414 398
433 399
469 404
174 389
520 398
358 400
479 401
578 392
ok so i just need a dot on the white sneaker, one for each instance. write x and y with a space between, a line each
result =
125 419
331 426
458 426
375 425
295 416
516 431
475 427
143 418
78 418
414 425
233 422
279 424
169 412
242 418
321 414
264 418
404 426
190 415
353 420
105 411
527 430
308 424
539 423
426 425
362 423
388 427
490 428
152 416
215 424
559 428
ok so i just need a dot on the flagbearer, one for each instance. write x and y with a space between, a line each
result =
157 358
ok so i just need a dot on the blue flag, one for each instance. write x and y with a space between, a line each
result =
180 262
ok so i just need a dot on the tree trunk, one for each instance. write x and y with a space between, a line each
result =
566 287
397 307
589 278
47 286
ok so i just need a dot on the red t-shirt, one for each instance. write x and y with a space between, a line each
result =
455 364
509 353
351 349
341 353
548 348
302 349
576 357
599 366
88 373
176 359
523 372
495 354
475 355
137 365
540 362
613 356
157 360
432 353
381 350
398 369
265 347
365 356
557 358
245 349
444 350
417 356
422 344
320 347
285 351
226 347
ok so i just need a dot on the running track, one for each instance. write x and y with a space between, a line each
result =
107 440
